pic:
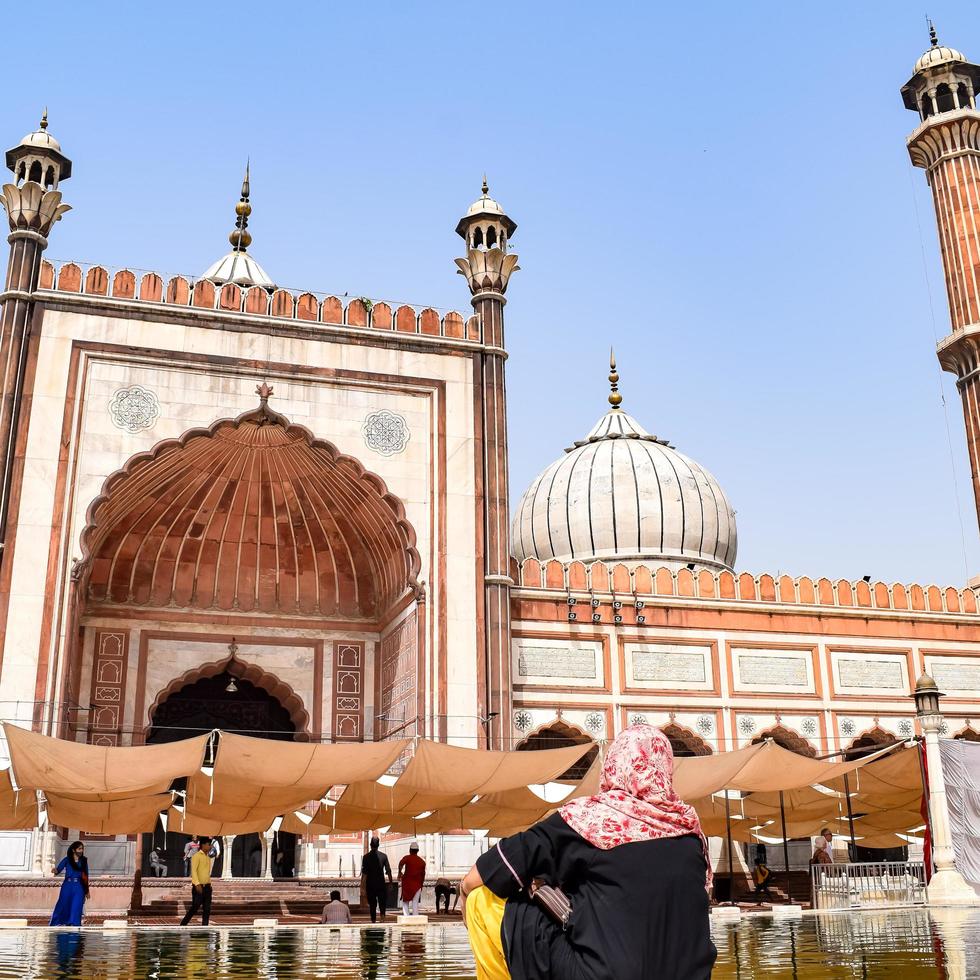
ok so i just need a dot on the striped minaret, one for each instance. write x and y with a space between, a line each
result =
487 266
946 144
33 204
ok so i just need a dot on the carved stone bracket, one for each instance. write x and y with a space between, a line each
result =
31 208
487 270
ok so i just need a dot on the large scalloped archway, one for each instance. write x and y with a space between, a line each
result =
252 514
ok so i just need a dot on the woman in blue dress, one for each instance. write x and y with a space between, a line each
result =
74 889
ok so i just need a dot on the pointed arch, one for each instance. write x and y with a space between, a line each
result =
242 670
868 742
252 514
684 743
557 735
788 739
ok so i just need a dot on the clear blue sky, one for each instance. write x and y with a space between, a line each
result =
721 190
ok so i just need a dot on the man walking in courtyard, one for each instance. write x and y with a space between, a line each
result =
200 884
374 866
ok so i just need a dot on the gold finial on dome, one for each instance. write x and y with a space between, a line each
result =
615 398
933 37
44 118
486 186
240 238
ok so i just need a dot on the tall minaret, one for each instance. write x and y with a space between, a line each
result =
486 229
943 90
33 205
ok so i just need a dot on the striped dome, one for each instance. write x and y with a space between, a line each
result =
622 494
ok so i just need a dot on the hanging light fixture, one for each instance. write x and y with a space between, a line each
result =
231 687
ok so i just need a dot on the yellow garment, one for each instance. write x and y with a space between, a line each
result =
484 917
200 868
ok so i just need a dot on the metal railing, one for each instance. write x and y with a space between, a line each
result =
873 884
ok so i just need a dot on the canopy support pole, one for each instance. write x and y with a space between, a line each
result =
850 817
782 818
728 834
920 748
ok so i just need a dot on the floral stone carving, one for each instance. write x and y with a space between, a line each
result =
385 432
134 408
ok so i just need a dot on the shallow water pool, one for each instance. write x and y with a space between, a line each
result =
897 945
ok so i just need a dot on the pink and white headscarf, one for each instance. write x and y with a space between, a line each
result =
636 799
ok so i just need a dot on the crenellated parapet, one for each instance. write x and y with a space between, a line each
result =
623 583
308 307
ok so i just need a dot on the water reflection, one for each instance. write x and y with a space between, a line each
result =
907 944
900 945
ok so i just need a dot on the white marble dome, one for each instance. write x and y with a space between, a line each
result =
622 494
938 54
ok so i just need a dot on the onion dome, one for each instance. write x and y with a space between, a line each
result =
624 495
238 266
41 138
482 209
38 157
938 54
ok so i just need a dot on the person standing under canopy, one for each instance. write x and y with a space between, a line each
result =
374 867
74 889
634 864
411 873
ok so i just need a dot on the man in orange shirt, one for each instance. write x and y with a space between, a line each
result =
411 873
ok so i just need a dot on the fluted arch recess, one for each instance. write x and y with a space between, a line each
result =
252 514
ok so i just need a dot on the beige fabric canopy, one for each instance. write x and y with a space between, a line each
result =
766 767
888 803
255 780
445 777
18 809
133 816
451 770
98 773
187 822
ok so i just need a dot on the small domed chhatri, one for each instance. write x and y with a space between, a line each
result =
622 494
937 54
238 267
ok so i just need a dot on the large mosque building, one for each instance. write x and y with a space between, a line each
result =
227 505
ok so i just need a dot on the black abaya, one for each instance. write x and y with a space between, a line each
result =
639 911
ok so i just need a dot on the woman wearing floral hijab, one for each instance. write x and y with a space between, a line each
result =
633 862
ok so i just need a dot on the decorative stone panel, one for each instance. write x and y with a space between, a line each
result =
385 432
348 691
398 676
557 663
134 409
107 699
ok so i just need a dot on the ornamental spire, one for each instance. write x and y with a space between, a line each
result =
933 37
240 238
615 398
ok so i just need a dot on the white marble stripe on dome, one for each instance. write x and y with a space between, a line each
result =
558 468
660 496
636 500
675 502
716 524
